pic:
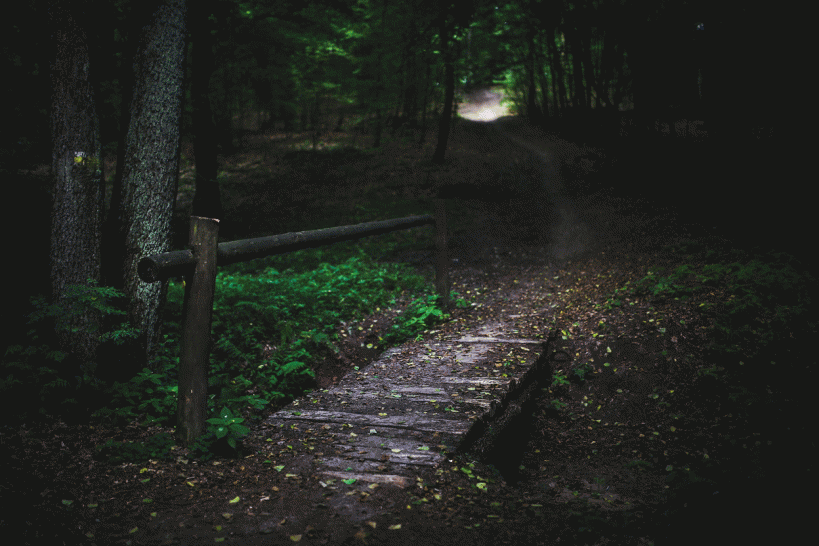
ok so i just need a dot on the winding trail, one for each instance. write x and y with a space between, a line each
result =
570 218
568 233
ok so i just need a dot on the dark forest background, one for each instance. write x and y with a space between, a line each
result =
210 73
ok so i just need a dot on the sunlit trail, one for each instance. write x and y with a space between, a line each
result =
484 106
485 114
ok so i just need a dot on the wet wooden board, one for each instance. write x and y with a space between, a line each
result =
417 402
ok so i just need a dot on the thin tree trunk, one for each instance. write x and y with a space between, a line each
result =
449 77
78 181
532 110
424 103
150 172
561 96
207 201
544 83
584 39
579 98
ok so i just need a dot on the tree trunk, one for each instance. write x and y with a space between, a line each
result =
561 95
424 103
532 110
78 181
449 77
207 201
584 39
579 97
150 170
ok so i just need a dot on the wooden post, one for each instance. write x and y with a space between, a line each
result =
191 410
441 258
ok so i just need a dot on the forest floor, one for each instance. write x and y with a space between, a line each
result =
635 442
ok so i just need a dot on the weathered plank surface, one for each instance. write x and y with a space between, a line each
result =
417 402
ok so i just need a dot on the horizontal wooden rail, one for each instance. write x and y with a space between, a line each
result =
174 264
198 265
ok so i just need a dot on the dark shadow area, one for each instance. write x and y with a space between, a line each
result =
27 228
742 186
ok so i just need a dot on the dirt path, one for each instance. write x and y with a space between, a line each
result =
542 207
630 444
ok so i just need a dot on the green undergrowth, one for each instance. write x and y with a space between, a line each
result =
757 312
39 379
271 319
768 296
269 324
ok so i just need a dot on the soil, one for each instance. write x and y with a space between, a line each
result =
644 450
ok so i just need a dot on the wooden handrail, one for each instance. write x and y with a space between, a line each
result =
198 265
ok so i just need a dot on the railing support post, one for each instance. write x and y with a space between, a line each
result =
191 409
441 258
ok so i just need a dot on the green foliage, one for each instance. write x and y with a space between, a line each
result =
638 464
769 301
769 298
420 315
580 371
228 426
557 405
157 447
290 316
149 395
45 379
661 287
78 301
222 437
559 379
268 325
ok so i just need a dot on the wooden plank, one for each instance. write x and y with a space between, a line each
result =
391 479
484 339
411 421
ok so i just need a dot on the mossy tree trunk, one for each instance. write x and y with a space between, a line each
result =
150 170
78 180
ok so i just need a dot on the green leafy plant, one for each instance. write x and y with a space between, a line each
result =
769 297
44 378
557 404
222 437
638 464
78 301
151 395
559 379
422 314
228 426
581 371
661 287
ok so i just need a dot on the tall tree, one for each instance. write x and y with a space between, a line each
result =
78 178
150 169
207 201
444 30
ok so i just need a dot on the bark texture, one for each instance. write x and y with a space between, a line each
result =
78 176
150 172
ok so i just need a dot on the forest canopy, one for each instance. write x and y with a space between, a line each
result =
375 64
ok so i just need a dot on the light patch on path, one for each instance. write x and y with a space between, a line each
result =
483 105
570 234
